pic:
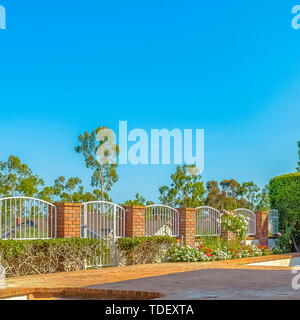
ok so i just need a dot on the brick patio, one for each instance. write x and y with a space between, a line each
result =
116 274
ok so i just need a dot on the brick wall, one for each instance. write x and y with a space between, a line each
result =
68 223
262 227
68 220
135 221
187 225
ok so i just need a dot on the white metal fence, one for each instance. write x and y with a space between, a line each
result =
208 221
104 221
162 220
27 218
273 222
252 220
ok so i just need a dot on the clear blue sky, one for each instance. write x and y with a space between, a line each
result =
229 67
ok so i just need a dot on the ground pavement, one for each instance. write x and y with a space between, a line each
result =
232 279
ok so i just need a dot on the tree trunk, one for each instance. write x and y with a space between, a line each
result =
102 182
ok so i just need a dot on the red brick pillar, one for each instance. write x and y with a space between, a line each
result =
228 235
187 225
68 220
135 221
262 227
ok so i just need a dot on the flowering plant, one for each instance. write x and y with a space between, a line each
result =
181 253
237 224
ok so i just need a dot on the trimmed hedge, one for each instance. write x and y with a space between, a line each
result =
28 257
284 193
141 250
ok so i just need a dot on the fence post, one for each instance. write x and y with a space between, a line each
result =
187 225
135 221
262 228
51 220
68 220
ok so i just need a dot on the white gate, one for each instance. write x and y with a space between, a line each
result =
162 220
208 221
273 222
104 221
251 231
27 218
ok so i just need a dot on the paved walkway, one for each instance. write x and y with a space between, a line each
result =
236 279
215 284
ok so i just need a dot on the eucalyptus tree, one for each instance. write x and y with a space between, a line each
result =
186 189
100 151
17 179
69 190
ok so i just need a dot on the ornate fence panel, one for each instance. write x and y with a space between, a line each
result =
162 220
251 231
208 221
273 222
104 221
27 218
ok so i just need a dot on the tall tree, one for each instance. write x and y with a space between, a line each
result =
231 187
17 179
186 190
214 197
99 151
250 192
263 203
232 196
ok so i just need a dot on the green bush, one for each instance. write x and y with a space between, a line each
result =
28 257
141 250
215 242
284 193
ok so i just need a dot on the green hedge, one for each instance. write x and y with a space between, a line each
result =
27 257
140 250
284 192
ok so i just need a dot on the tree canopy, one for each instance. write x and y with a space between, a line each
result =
186 190
232 195
69 190
99 151
16 178
138 201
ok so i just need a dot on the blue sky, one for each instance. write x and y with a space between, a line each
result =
231 68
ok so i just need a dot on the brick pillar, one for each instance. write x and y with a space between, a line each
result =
187 225
228 235
135 221
68 220
262 227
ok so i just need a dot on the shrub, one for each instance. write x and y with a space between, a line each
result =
215 242
141 250
284 192
179 253
28 257
237 224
